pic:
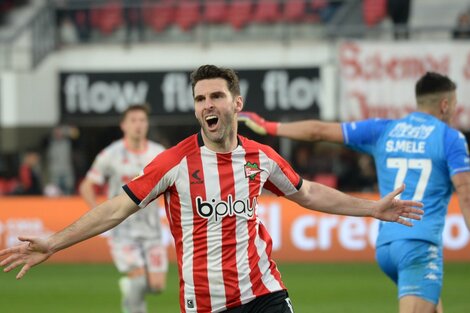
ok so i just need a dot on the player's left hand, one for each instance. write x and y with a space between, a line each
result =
400 211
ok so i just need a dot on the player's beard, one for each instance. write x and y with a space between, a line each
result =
224 129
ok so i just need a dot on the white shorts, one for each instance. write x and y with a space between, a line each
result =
130 255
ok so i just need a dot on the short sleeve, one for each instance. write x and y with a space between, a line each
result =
155 179
456 150
363 135
282 179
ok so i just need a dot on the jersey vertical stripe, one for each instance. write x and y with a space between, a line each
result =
199 235
269 247
254 189
173 213
241 191
271 276
229 243
275 178
214 244
187 250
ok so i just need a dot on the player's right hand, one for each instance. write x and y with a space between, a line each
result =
258 124
31 252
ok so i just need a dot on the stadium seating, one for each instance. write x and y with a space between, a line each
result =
240 13
319 4
160 15
107 18
215 11
303 11
374 11
294 10
187 14
267 11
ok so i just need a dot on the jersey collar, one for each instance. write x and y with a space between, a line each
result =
200 142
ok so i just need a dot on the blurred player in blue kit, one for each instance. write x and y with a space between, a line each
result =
423 152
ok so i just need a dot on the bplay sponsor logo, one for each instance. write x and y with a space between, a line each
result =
217 209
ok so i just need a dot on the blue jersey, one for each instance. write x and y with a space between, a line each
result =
420 151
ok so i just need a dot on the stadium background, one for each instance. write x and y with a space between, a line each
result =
80 63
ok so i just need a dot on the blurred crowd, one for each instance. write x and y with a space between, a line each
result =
84 21
7 5
48 168
57 165
462 26
335 166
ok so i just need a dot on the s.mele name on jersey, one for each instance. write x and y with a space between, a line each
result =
405 146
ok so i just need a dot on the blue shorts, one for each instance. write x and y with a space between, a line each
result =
415 266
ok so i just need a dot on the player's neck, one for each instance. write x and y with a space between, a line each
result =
227 145
136 145
429 111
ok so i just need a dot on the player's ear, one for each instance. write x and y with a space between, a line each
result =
444 105
238 104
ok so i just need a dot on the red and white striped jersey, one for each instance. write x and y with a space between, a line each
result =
223 250
118 165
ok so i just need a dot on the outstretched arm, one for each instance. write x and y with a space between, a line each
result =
319 197
34 251
461 183
308 130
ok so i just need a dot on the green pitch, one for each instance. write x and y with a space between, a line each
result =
314 288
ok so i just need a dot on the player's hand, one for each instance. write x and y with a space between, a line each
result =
400 211
258 124
31 252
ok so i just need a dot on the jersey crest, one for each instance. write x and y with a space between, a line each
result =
251 170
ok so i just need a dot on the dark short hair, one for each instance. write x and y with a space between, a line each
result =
136 107
211 72
432 82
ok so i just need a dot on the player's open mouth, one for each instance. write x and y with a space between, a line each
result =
212 121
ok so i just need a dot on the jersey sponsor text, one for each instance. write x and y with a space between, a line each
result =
220 209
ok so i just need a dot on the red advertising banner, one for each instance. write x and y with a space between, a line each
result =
299 235
377 79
